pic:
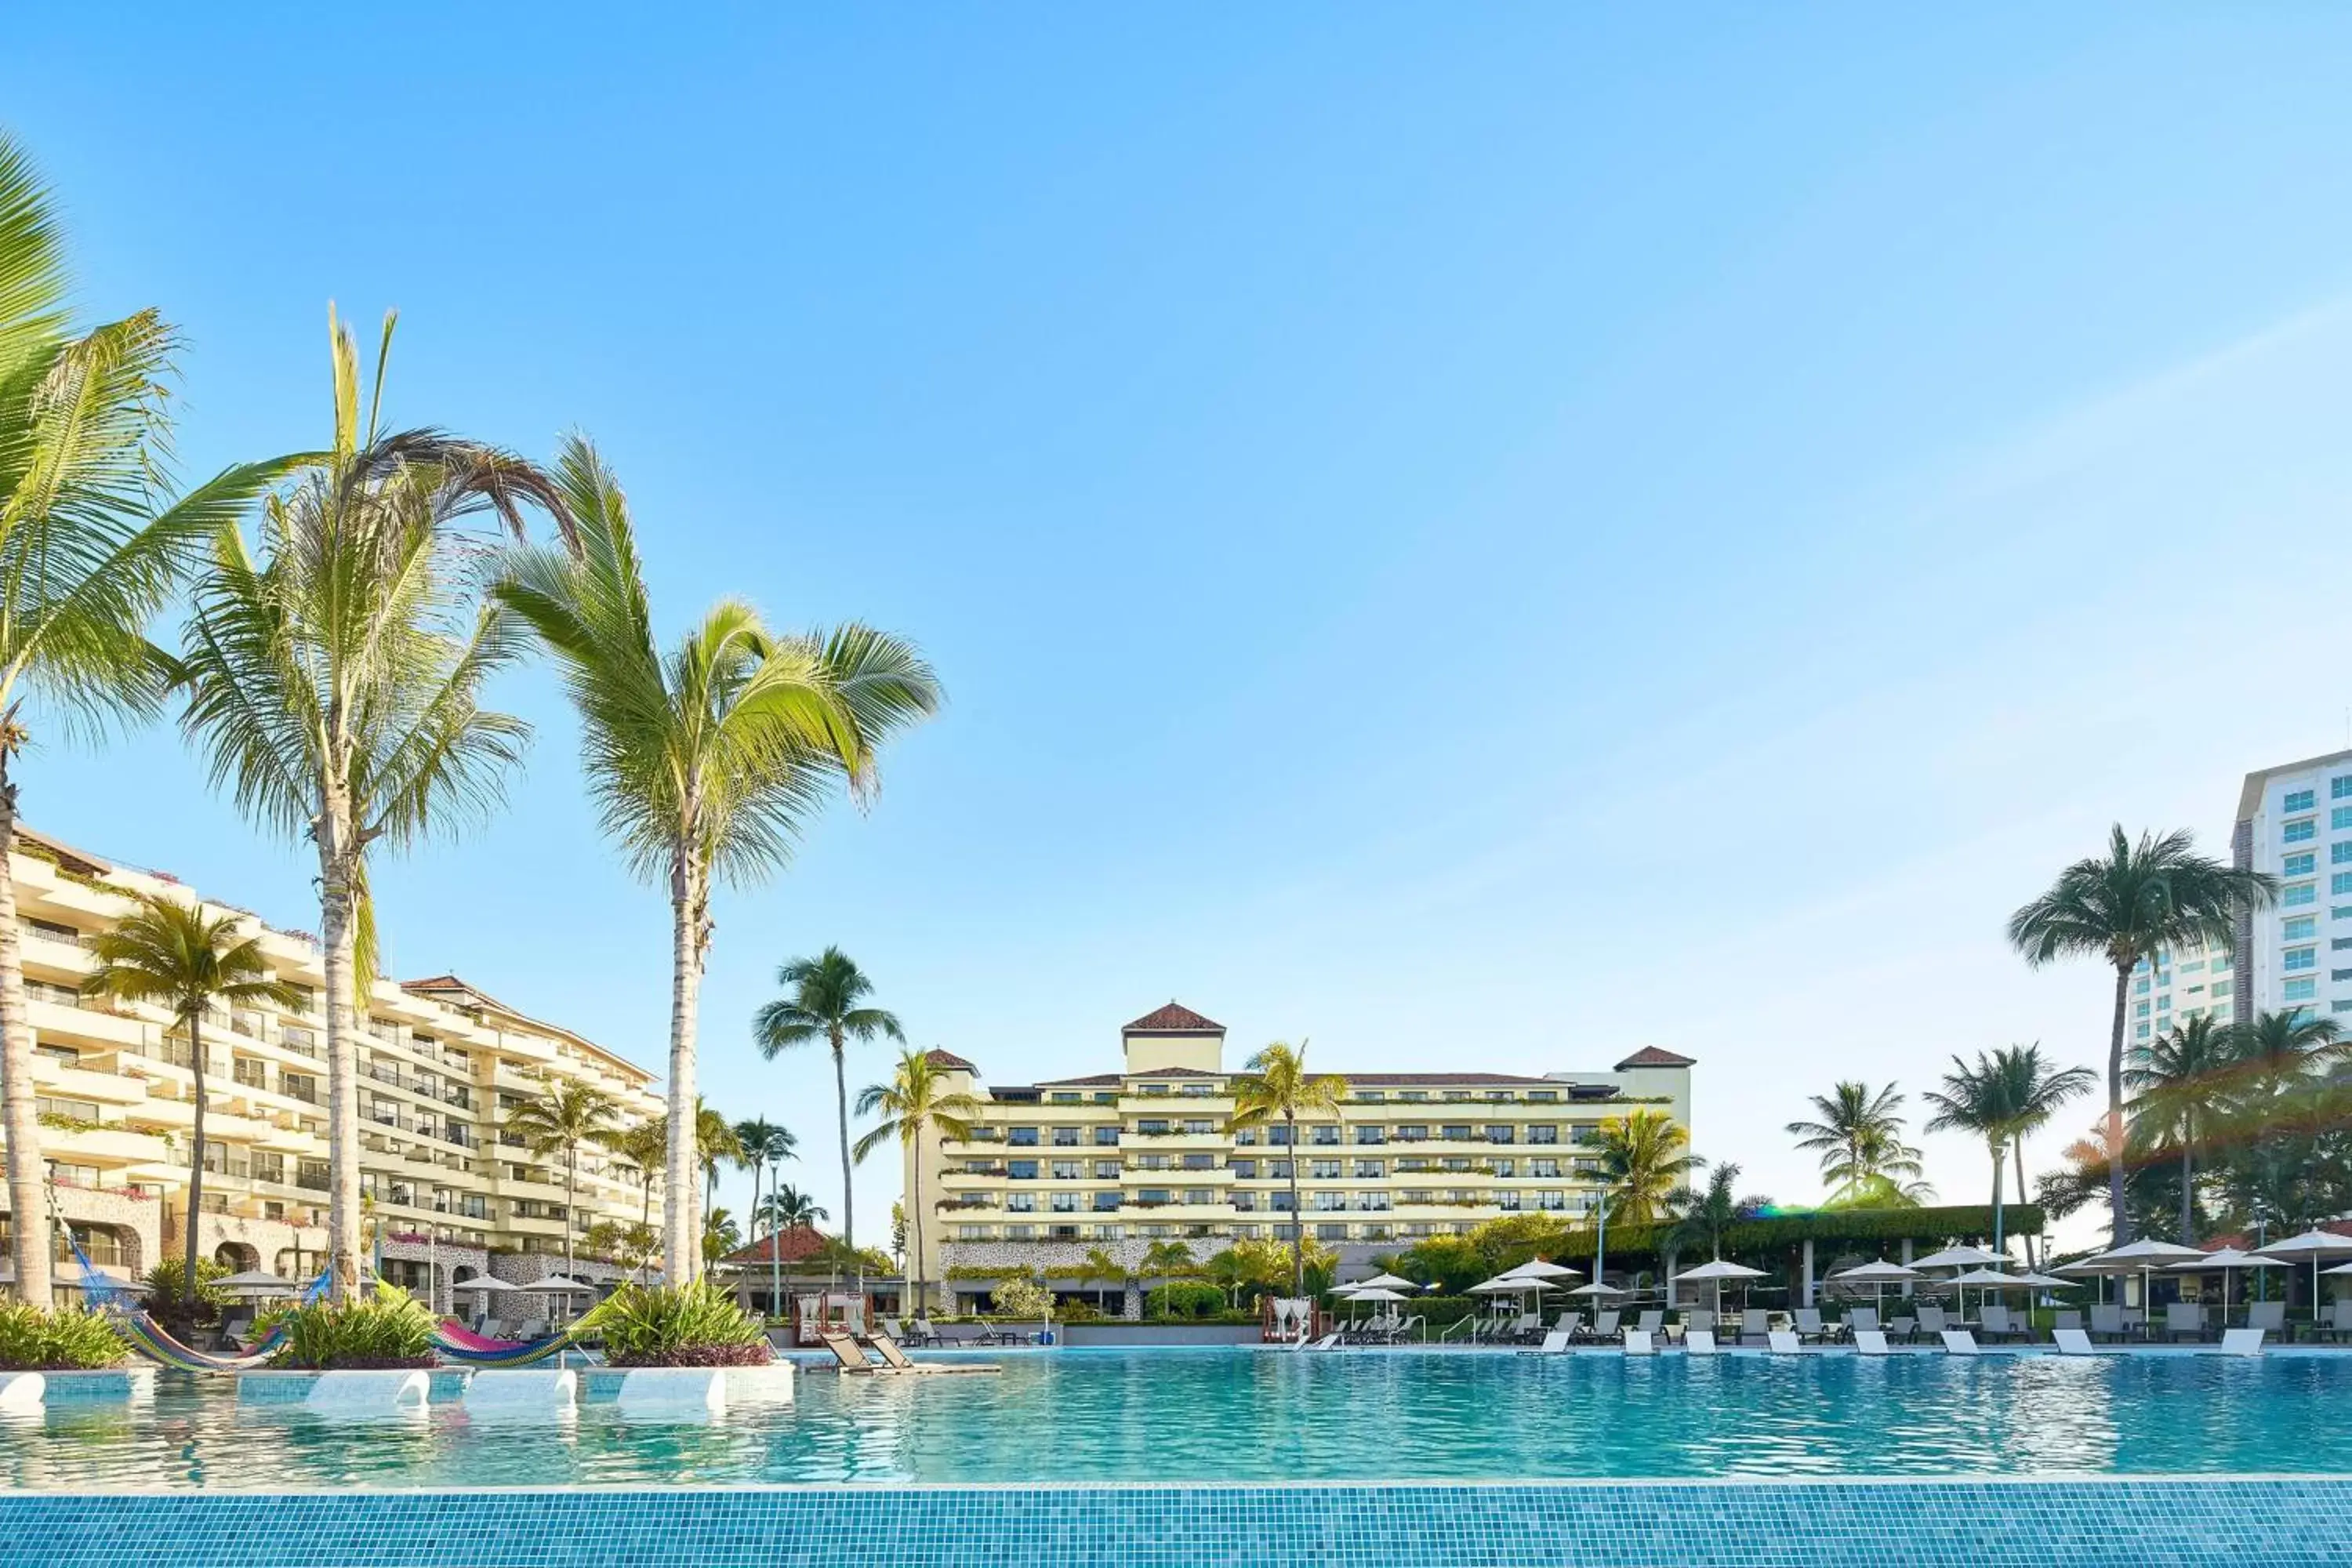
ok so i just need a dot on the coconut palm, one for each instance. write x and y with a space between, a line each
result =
719 1235
1860 1137
766 1145
334 684
1643 1156
1274 1083
915 1102
558 1122
2177 1082
715 1144
825 1003
2128 907
705 763
789 1208
2034 1091
644 1148
88 555
1705 1216
180 959
2275 1051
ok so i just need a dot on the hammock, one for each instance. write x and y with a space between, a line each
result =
148 1338
462 1345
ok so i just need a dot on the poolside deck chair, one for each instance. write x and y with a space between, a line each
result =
1638 1342
1568 1323
1997 1323
2107 1322
1783 1341
1934 1320
2242 1341
1651 1320
2071 1341
2337 1324
1554 1343
848 1352
1959 1341
2268 1316
1604 1325
1809 1325
1858 1319
1903 1327
2184 1318
1698 1317
1699 1342
2066 1318
1754 1323
882 1344
1870 1341
1327 1342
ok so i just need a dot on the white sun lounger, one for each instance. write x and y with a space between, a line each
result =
1327 1342
2242 1341
1870 1341
1554 1343
1699 1342
1959 1341
1782 1341
2071 1341
1638 1342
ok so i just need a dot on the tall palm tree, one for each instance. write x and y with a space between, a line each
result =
645 1147
721 1234
752 1136
335 685
1860 1137
915 1101
2275 1051
2128 906
1273 1084
1643 1155
824 1004
766 1146
1980 1099
2034 1091
88 555
174 955
715 1144
2175 1083
789 1208
705 763
558 1122
1706 1215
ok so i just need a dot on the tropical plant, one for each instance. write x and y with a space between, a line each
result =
1021 1297
2275 1051
1981 1098
705 763
334 684
2128 907
1184 1298
1859 1136
560 1121
765 1146
694 1324
37 1339
2177 1082
1167 1259
2034 1091
1643 1156
914 1103
393 1329
1703 1215
171 955
827 1003
1275 1084
721 1234
789 1208
89 552
643 1148
170 1296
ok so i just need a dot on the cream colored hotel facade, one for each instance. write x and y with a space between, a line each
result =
446 1194
1120 1160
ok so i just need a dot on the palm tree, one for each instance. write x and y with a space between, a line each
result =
644 1147
752 1136
558 1122
174 956
2175 1082
719 1235
335 685
825 1004
1860 1136
705 763
1276 1083
1706 1215
2128 907
913 1103
715 1144
2276 1050
1644 1154
86 559
2034 1091
1979 1098
789 1208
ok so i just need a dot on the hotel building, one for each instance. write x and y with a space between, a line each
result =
2295 823
446 1191
1120 1160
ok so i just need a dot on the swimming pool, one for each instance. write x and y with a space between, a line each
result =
1245 1416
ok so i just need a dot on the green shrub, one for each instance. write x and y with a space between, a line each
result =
66 1341
1184 1298
1021 1298
392 1330
690 1325
163 1285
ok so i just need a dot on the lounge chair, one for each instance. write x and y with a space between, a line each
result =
1783 1341
1905 1328
2071 1341
1651 1320
1870 1341
1568 1323
1809 1325
1934 1320
1638 1342
1604 1325
1754 1325
1959 1341
890 1327
2107 1322
2242 1341
2338 1323
1698 1317
1997 1323
1554 1343
1857 1319
883 1345
2269 1316
1327 1342
2066 1318
848 1352
2184 1318
1699 1342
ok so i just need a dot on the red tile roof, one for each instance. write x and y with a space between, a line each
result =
948 1061
1173 1019
1653 1057
786 1245
1092 1080
1413 1079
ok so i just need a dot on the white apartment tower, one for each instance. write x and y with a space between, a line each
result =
2295 823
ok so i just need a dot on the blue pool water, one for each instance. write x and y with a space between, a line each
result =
1084 1415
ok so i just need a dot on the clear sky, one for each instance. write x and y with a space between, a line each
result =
1489 536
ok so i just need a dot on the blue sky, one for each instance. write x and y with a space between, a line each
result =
1494 536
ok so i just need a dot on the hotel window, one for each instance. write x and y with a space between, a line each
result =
1496 1134
972 1233
2139 1009
1106 1202
1151 1126
1544 1096
1370 1095
1200 1194
1279 1170
1020 1232
1543 1168
1244 1203
2139 987
2297 800
2296 958
1021 1203
1066 1203
1332 1233
1415 1096
1502 1167
1066 1097
1507 1201
2340 852
1105 1136
2299 929
1065 1137
1543 1134
1323 1170
2340 787
2301 865
1066 1170
1551 1201
1246 1169
1021 1137
1108 1096
1106 1169
2294 895
1458 1134
2302 831
2341 1004
1279 1202
2222 988
1199 1162
2340 818
1151 1089
1328 1137
1369 1169
1198 1128
1021 1170
2139 1031
2302 990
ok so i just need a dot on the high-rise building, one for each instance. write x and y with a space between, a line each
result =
2296 821
449 1194
1118 1161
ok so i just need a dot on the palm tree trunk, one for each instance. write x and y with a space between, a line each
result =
339 935
918 1269
1997 1174
841 1105
2017 1152
682 1242
196 1165
28 1236
1298 1220
2118 1222
775 1250
571 1202
2187 1182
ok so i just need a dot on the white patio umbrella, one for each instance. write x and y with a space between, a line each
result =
2313 1245
2227 1260
1878 1275
484 1282
1985 1280
1537 1269
2143 1259
1719 1271
1382 1282
1597 1289
1961 1257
